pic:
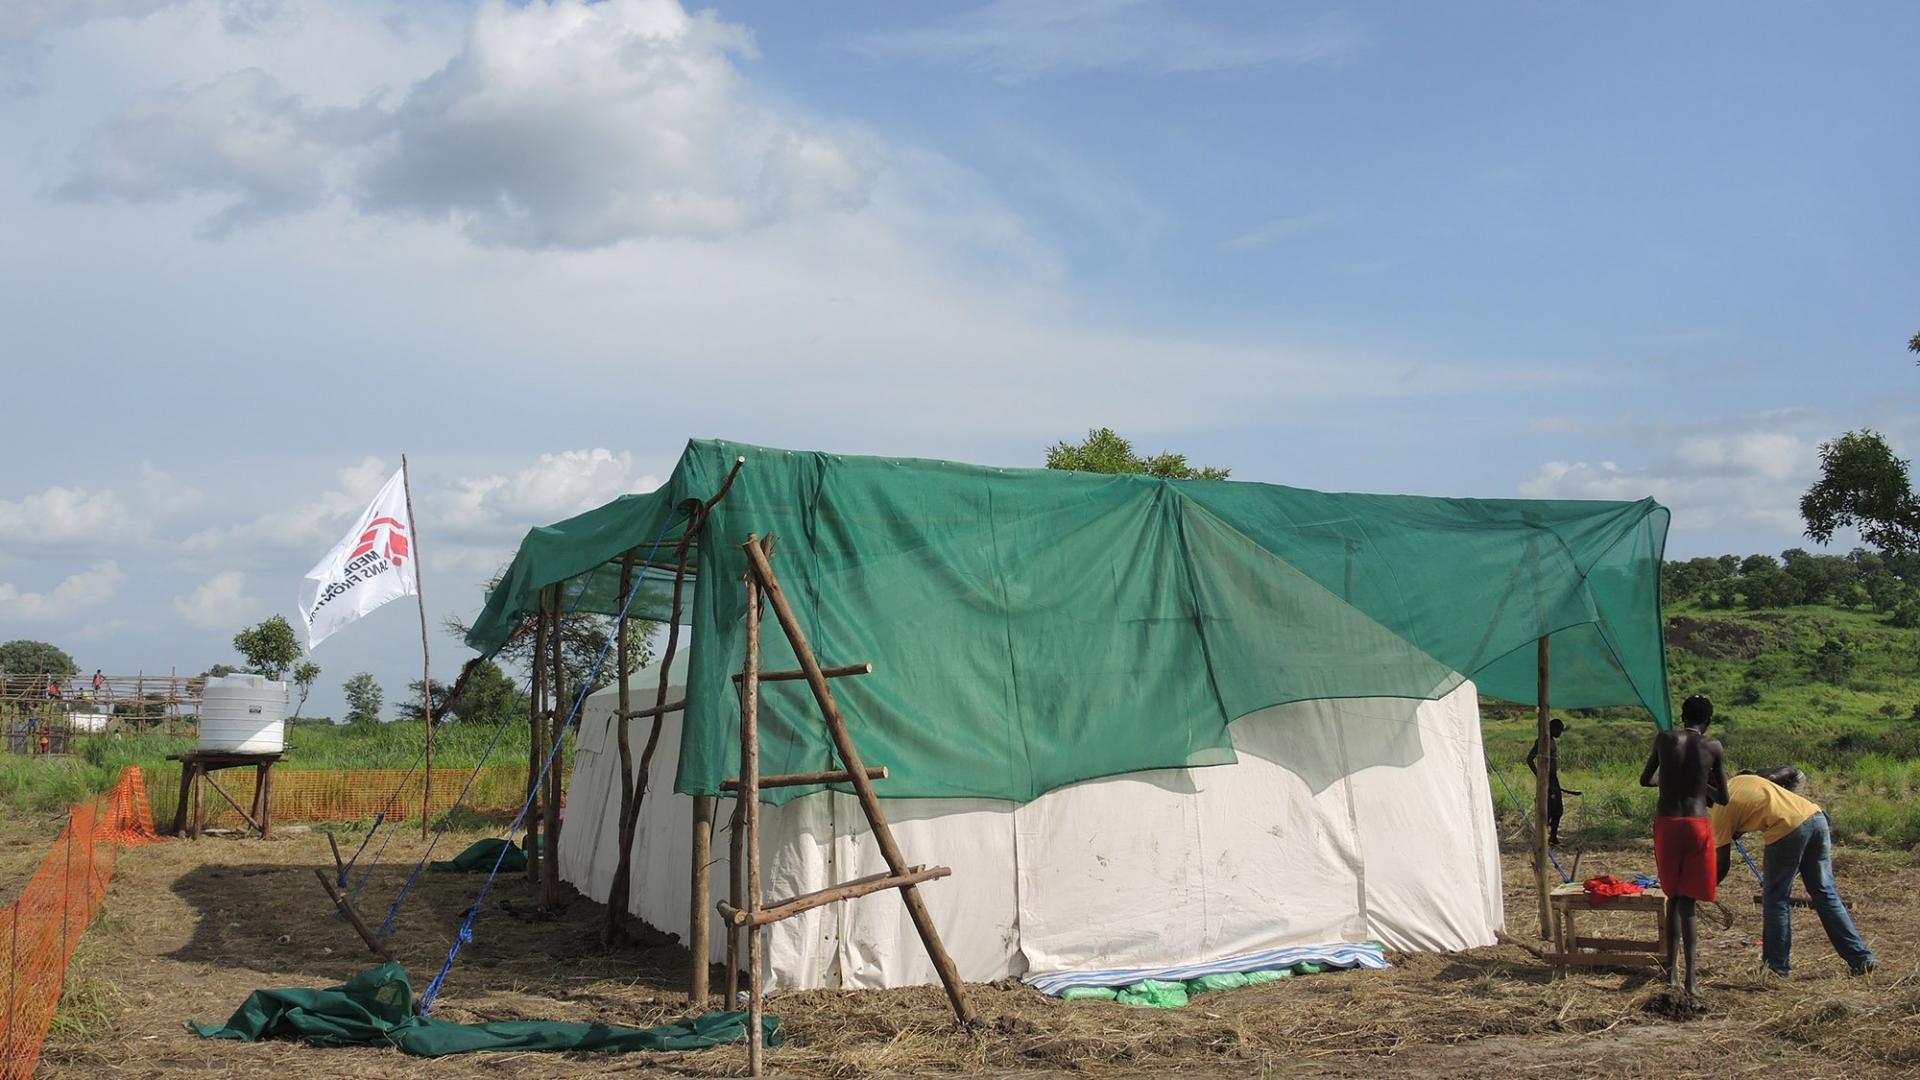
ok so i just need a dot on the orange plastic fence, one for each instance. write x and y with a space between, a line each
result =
352 795
39 930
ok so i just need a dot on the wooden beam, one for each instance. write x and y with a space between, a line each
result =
656 710
231 802
786 909
802 779
339 866
750 799
1543 773
352 916
795 676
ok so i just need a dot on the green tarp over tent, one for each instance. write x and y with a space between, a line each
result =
1030 628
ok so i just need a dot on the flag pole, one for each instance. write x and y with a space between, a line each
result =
426 666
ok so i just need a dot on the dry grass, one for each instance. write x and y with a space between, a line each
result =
193 928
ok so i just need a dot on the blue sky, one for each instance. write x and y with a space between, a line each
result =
255 249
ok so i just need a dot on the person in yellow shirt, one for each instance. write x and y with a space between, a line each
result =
1799 841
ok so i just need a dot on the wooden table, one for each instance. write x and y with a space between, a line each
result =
196 771
1570 949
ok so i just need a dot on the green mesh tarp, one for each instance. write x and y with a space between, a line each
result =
375 1008
1030 628
482 857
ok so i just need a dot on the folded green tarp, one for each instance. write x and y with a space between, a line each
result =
375 1008
480 858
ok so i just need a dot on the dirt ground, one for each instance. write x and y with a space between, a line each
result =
190 929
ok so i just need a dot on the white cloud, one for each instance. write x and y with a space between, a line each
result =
241 136
23 23
1269 233
1751 480
221 600
1018 40
63 517
560 124
314 523
554 487
74 595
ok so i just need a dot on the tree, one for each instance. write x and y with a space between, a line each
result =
1105 452
582 636
411 709
364 698
490 697
304 673
1864 486
269 647
220 671
24 657
1833 661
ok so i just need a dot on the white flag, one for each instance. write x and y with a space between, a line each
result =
364 570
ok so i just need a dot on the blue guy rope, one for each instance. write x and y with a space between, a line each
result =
1497 775
1757 875
393 909
465 933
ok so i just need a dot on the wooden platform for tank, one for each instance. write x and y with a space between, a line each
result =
196 772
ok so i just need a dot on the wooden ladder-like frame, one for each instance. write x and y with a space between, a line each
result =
745 910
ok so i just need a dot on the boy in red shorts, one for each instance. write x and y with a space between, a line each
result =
1692 779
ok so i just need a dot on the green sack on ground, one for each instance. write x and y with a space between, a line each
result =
480 858
1154 994
375 1008
1310 968
1255 978
1089 993
1231 980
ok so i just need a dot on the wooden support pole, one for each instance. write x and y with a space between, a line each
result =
851 890
700 891
339 865
621 893
264 778
736 894
426 665
831 673
535 694
750 798
352 916
802 779
943 963
1543 772
550 788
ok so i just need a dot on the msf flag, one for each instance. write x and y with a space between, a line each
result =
367 568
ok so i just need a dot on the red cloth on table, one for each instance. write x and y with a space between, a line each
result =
1605 887
1683 856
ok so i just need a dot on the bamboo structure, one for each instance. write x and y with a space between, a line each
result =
550 785
745 912
34 704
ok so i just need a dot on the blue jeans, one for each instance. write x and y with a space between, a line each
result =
1807 850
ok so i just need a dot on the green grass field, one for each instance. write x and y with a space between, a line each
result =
1782 698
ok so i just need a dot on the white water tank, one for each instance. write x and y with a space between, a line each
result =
243 714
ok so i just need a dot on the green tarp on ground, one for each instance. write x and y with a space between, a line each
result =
481 857
1031 628
375 1008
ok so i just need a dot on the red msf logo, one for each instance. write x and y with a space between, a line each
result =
396 546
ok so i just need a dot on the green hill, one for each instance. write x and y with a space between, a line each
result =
1833 690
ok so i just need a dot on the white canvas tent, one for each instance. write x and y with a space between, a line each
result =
1343 821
